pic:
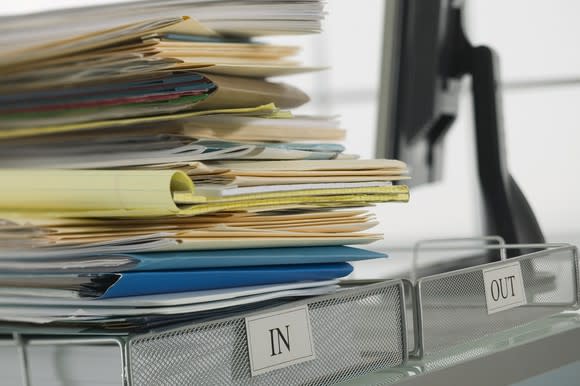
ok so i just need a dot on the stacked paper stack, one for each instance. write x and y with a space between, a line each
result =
151 168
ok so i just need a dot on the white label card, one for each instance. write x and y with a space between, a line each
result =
504 287
279 339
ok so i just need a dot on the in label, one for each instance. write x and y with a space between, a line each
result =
279 339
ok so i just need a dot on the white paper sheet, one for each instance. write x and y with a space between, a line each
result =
163 300
56 313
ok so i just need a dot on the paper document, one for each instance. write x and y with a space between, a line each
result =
251 18
247 128
103 124
102 193
102 315
57 238
113 285
169 299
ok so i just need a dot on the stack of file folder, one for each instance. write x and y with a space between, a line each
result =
153 172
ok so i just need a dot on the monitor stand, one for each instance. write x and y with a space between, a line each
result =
508 213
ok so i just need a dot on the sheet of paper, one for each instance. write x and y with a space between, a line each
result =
124 161
246 181
52 228
56 232
77 154
35 219
258 71
166 300
313 191
401 194
219 191
336 229
45 130
85 42
102 38
112 263
57 313
238 243
246 128
143 243
315 165
235 92
247 18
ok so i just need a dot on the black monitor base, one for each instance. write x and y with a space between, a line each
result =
508 213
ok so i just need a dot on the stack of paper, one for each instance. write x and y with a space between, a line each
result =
242 18
147 157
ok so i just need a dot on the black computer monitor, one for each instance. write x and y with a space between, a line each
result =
425 57
419 95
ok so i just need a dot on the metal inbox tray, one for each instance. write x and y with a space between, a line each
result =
354 331
451 308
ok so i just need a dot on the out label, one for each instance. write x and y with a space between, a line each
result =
504 287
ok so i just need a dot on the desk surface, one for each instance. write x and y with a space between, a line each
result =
500 359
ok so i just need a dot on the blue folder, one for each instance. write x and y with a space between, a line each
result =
248 257
148 283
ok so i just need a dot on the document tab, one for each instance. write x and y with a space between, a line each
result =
504 287
279 339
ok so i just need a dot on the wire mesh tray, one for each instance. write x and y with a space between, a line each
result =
457 307
354 331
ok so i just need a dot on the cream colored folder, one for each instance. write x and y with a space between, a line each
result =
11 60
252 173
254 128
141 48
266 109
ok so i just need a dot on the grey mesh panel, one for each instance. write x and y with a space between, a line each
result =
454 310
354 333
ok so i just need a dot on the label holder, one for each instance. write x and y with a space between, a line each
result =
504 287
279 339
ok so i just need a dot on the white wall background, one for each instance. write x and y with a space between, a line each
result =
537 42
